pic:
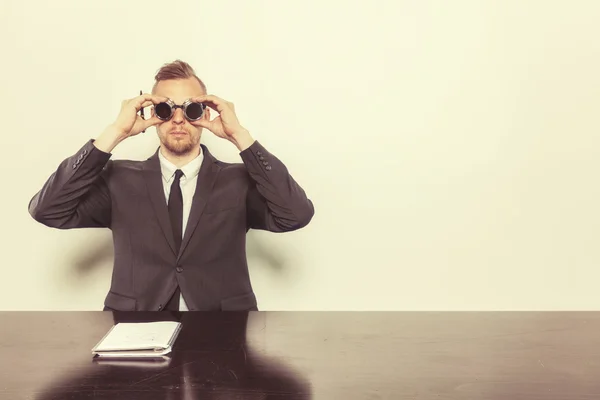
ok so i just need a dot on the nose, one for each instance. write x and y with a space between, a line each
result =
178 116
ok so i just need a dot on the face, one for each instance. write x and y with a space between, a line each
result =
177 135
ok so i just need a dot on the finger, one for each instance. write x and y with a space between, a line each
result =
149 99
151 122
201 123
214 102
213 99
147 104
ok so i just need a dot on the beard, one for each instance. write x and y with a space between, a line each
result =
179 145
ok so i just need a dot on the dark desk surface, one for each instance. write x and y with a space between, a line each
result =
310 355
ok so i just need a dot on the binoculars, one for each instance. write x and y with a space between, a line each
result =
191 110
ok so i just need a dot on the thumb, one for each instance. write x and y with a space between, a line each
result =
151 122
202 124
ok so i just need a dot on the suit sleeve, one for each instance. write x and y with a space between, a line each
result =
275 201
76 195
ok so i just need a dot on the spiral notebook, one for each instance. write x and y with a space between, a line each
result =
138 340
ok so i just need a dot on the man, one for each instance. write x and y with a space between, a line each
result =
179 219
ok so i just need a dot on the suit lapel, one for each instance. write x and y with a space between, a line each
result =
207 177
156 192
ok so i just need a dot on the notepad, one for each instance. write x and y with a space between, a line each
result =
138 339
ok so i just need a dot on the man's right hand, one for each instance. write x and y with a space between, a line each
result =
128 122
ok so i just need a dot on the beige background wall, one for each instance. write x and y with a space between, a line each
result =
450 148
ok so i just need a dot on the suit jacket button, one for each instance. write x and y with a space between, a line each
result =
179 269
160 307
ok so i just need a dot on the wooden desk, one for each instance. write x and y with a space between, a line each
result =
304 355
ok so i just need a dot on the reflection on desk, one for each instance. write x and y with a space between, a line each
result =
211 359
310 355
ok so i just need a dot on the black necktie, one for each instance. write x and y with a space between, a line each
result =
176 213
176 209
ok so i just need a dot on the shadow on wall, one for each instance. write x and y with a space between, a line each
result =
100 252
93 256
262 254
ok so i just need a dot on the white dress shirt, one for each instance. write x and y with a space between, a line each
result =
188 187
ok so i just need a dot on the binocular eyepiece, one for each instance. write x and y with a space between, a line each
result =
191 110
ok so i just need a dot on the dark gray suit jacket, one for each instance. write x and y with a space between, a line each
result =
90 190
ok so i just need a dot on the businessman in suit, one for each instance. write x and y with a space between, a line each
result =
179 219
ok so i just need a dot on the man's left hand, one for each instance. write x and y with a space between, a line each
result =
226 125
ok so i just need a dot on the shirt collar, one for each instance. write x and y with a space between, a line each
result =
190 170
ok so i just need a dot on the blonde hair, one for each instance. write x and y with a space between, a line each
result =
176 70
